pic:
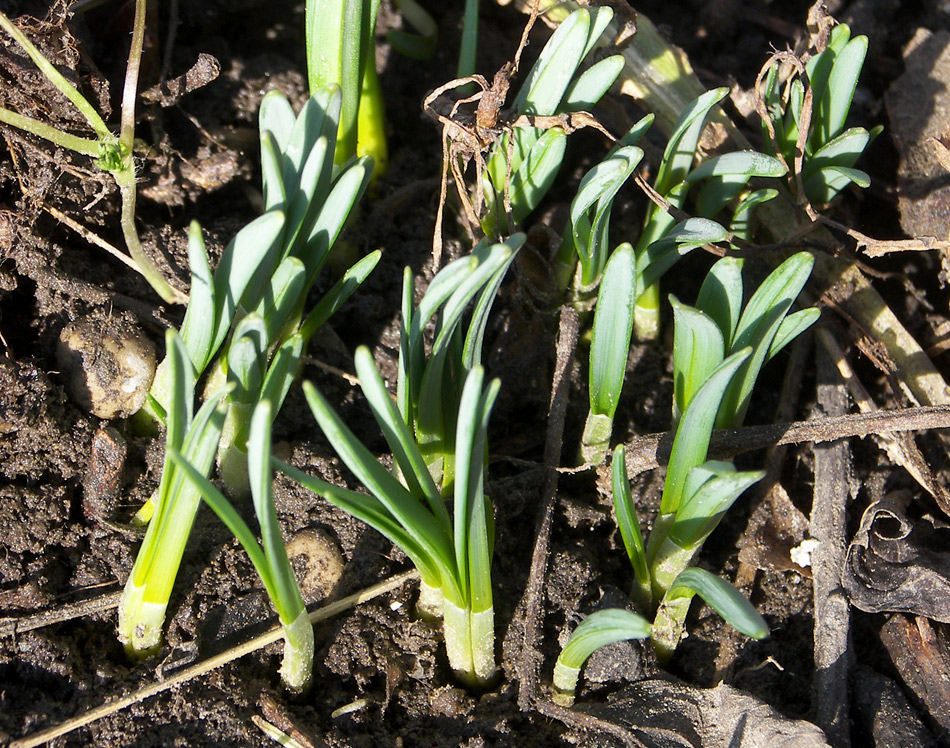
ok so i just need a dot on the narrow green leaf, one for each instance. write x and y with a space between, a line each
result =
698 348
612 329
627 521
597 630
337 296
426 531
722 597
589 87
792 326
721 296
398 436
197 329
695 429
702 507
681 147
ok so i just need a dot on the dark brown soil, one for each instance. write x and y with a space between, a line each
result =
64 538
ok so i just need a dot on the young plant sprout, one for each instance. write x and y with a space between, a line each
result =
452 552
719 349
436 432
523 164
341 52
268 269
720 180
175 504
111 154
428 390
804 117
269 559
719 326
263 277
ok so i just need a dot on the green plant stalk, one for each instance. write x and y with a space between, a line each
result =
85 146
148 589
112 155
270 558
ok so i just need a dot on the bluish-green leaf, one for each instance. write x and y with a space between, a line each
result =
612 329
698 348
695 429
722 597
627 521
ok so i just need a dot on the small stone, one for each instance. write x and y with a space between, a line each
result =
109 362
318 561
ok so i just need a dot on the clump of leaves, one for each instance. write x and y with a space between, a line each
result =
806 106
719 349
432 502
252 311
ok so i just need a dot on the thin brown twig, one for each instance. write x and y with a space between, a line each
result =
652 450
200 668
529 664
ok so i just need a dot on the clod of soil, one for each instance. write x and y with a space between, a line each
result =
109 362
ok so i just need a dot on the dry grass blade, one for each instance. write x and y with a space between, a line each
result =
269 637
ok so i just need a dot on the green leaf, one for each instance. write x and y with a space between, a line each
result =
742 163
589 87
627 521
698 348
792 326
597 630
721 296
248 260
548 79
421 526
398 436
722 597
684 237
370 510
612 329
741 224
197 329
247 358
475 336
597 191
691 442
281 296
832 109
282 371
711 488
286 593
681 147
275 191
347 189
276 116
758 326
337 296
535 175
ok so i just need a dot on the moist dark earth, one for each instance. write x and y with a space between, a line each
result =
381 676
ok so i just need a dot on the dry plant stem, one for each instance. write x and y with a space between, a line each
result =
652 450
831 693
901 448
90 236
269 637
529 660
13 626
